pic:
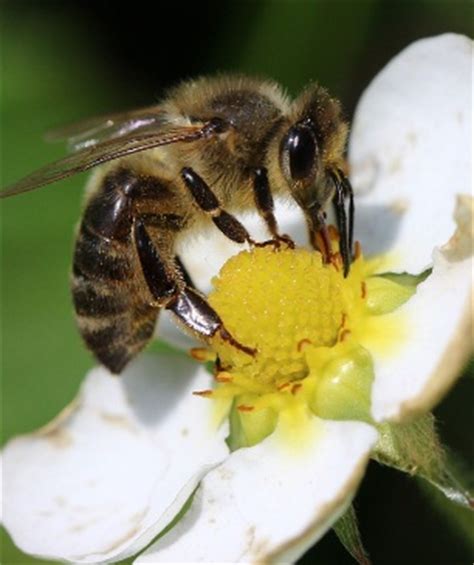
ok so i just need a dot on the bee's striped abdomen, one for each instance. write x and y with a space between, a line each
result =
113 313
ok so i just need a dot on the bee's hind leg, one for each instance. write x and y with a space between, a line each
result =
193 311
172 292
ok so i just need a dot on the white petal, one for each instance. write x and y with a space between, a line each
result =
113 469
411 150
268 502
439 331
169 331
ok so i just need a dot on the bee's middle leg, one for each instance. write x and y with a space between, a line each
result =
265 206
170 291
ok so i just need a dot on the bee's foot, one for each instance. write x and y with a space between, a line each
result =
277 242
226 336
285 239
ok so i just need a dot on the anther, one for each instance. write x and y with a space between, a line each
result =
343 320
295 388
224 377
202 354
205 393
336 261
363 289
302 343
245 408
357 250
333 233
323 243
344 334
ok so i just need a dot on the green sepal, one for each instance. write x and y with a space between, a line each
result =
344 385
406 279
236 438
414 448
388 291
384 295
249 428
347 530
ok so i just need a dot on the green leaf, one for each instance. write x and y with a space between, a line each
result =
414 448
457 518
347 530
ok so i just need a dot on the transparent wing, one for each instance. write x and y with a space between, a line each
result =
104 151
92 131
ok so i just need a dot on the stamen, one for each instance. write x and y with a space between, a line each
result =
301 343
344 334
204 393
333 233
245 408
202 354
323 243
336 260
224 377
295 388
363 290
357 250
343 321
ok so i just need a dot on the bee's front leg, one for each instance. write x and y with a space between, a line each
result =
265 206
170 291
209 203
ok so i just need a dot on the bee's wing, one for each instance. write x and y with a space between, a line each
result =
101 152
92 131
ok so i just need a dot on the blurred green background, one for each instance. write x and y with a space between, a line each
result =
62 61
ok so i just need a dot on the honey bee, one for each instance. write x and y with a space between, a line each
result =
211 147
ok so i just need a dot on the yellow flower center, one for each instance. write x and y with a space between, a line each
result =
308 324
280 302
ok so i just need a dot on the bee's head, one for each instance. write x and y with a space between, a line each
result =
310 146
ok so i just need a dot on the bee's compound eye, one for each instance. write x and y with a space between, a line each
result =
301 146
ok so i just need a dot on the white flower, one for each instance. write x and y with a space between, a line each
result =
111 472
